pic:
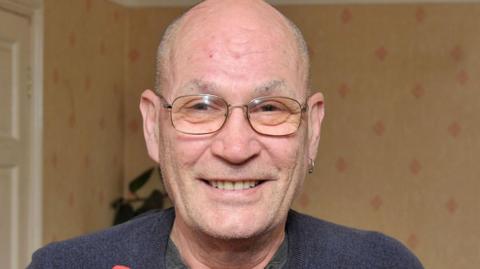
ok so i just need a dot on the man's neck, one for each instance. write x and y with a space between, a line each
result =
200 251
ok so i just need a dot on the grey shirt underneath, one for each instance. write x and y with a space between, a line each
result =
174 260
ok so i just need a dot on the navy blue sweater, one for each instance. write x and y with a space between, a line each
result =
141 244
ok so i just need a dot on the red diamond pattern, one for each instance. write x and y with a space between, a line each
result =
420 14
376 202
454 129
379 128
418 91
451 206
133 55
412 241
346 16
457 53
341 165
415 167
381 53
343 90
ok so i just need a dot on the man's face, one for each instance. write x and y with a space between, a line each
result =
238 64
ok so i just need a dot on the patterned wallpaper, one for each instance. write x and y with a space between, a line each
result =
399 144
83 115
401 139
142 47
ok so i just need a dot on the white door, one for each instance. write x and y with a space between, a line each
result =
15 47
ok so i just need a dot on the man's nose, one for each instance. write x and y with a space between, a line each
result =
236 142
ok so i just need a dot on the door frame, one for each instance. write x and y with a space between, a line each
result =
33 10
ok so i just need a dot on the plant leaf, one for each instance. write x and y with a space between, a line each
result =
117 203
154 201
140 180
124 213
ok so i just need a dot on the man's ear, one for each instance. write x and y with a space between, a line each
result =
150 107
315 118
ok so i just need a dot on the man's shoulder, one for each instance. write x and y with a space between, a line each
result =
329 244
114 246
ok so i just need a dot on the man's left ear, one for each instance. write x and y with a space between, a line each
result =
315 118
149 107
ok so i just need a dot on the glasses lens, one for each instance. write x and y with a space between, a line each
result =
198 114
275 115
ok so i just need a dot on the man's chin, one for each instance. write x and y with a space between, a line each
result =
233 233
236 228
233 221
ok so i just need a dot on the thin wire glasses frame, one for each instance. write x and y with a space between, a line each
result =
295 110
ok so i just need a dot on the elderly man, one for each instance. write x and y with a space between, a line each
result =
235 129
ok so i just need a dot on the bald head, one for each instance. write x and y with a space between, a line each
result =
229 25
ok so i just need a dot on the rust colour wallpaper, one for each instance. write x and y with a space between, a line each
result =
145 28
400 141
83 115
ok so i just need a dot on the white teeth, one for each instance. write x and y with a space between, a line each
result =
238 185
233 185
228 185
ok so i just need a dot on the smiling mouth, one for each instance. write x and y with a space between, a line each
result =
234 185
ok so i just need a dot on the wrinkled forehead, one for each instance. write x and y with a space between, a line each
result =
235 39
235 35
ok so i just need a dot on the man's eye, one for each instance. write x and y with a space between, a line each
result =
269 108
199 106
209 107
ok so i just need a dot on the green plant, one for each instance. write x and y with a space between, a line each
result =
125 209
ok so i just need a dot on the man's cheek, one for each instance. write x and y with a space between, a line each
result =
287 155
188 153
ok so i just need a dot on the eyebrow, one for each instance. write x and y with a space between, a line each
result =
270 86
200 86
197 85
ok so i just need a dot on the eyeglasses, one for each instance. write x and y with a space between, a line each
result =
205 114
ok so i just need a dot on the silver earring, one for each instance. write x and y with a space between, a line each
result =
311 165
